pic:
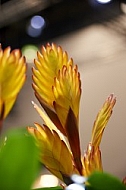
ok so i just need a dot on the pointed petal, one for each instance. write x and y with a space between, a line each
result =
73 138
44 117
47 120
52 115
12 77
48 65
92 160
67 92
53 151
102 120
92 157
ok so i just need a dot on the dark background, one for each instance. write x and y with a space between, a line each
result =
61 16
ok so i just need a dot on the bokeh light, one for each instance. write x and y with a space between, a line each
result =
78 179
29 51
35 26
75 186
37 22
103 1
48 180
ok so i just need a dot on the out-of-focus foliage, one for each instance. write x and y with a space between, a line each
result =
104 181
19 164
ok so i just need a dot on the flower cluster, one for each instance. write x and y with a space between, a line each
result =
57 86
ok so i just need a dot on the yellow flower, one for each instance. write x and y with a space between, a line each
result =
53 151
92 157
57 86
12 78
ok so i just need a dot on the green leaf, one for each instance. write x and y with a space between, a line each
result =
104 181
50 188
18 161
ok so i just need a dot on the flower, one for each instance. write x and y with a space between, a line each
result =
53 151
92 157
12 78
57 86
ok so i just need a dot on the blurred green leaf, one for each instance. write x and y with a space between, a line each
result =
49 188
104 181
18 161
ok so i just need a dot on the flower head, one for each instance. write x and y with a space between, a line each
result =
57 86
56 82
92 157
54 151
12 78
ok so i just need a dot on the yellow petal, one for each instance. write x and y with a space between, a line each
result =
47 121
48 65
92 157
102 120
52 115
12 77
67 92
92 160
54 153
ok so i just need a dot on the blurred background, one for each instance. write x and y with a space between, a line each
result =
93 32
